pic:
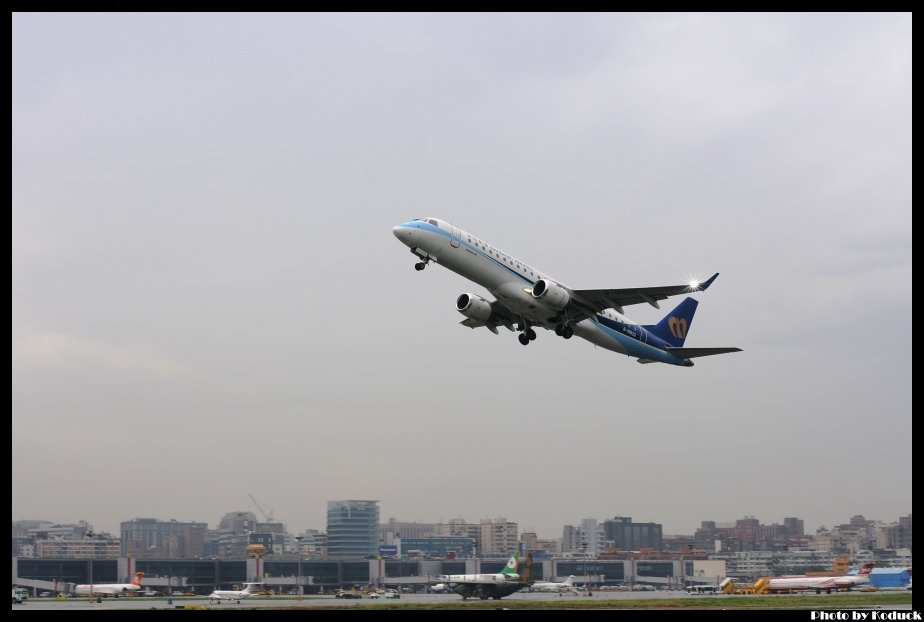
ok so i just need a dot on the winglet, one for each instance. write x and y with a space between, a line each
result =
704 286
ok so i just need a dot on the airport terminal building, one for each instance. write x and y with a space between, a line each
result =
286 573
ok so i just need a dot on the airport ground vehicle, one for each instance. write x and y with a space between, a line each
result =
385 594
702 589
20 594
348 594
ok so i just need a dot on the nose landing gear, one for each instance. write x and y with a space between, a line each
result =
424 257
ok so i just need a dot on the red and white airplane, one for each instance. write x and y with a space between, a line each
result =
819 584
109 589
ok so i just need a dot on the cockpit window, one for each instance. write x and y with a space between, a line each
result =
433 222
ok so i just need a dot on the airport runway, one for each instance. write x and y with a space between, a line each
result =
49 604
291 601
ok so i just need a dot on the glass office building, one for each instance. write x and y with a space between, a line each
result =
352 528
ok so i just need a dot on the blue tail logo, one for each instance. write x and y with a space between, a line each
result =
674 327
678 327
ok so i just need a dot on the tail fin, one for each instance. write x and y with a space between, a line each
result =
527 575
138 576
866 569
511 567
674 327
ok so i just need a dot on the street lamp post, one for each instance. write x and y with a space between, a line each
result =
298 545
586 576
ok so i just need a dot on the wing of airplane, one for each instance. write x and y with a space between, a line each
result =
591 301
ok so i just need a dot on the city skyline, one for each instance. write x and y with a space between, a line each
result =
808 530
207 297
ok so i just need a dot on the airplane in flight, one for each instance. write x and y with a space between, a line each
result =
490 585
109 589
819 584
232 595
554 586
526 298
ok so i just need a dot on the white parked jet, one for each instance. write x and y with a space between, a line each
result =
527 298
554 586
236 595
109 589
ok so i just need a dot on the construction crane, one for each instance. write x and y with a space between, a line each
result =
267 517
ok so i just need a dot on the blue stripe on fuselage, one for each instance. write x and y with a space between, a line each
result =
634 331
633 346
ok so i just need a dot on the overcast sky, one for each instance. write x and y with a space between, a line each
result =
208 299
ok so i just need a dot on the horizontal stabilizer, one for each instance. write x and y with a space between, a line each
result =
692 353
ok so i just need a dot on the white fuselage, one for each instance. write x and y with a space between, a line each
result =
817 583
105 589
479 578
553 586
511 280
229 594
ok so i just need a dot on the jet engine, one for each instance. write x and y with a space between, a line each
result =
474 307
551 294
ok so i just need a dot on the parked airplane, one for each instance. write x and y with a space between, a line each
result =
819 584
527 298
496 585
235 595
109 589
554 586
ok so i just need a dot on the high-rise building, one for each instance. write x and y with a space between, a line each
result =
458 527
529 539
238 522
392 530
352 528
629 536
895 535
795 527
498 537
570 539
149 537
904 533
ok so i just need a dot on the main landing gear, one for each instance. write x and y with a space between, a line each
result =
420 265
526 336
